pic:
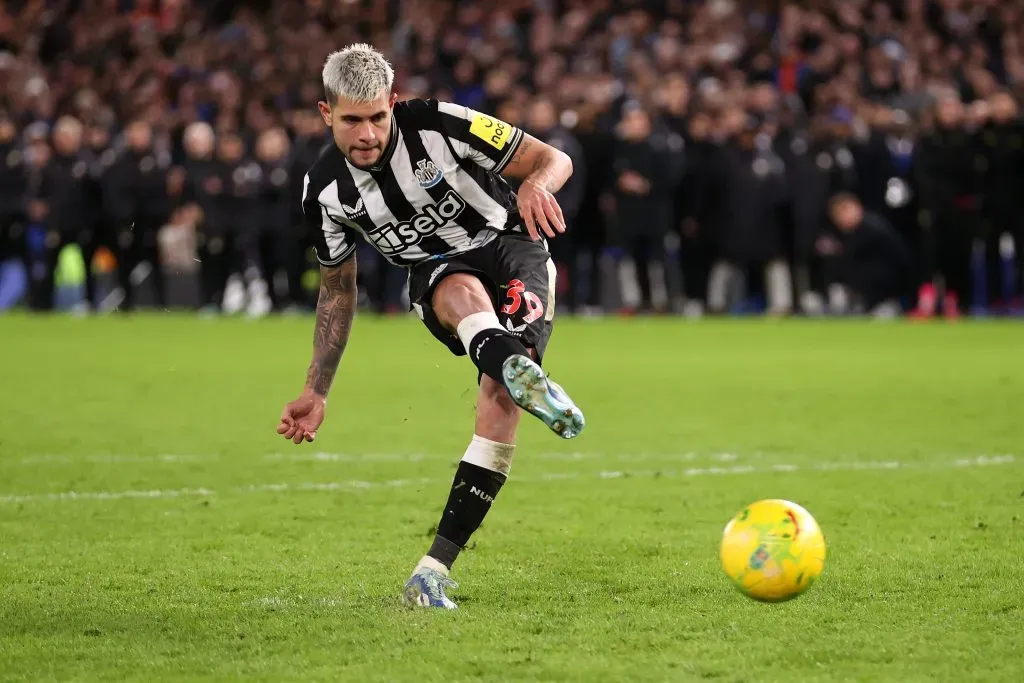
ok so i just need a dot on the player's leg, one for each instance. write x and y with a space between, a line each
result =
462 304
481 473
461 311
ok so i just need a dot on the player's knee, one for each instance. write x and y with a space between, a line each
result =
456 287
457 296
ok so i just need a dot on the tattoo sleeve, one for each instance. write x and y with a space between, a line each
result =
537 163
521 151
335 310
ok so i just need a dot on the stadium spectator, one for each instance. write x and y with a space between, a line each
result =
642 189
859 96
867 262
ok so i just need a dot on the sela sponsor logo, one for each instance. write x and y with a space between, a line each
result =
485 497
394 238
427 173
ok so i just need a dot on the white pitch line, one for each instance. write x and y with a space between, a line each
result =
107 459
175 459
64 496
172 458
362 485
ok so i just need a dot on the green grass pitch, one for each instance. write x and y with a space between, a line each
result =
153 526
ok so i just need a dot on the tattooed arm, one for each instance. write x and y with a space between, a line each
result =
540 163
335 310
543 170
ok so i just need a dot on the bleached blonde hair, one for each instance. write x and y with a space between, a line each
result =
358 72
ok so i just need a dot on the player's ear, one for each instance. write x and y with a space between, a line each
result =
392 100
325 112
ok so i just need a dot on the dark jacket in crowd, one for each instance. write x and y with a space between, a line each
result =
946 168
135 189
12 181
243 183
12 200
649 213
275 200
1002 146
749 191
809 167
67 180
205 187
593 222
887 184
874 260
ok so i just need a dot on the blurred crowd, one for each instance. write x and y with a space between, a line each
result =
809 157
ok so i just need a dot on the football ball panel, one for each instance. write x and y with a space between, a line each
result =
772 550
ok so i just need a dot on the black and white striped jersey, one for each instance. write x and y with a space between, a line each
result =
435 191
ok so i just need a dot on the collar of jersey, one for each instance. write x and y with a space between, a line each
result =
385 156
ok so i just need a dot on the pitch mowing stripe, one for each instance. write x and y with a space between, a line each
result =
355 485
172 458
175 459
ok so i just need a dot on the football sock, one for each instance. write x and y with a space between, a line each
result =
488 343
480 475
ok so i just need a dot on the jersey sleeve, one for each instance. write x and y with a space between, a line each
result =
333 241
484 139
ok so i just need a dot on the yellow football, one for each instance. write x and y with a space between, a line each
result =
773 550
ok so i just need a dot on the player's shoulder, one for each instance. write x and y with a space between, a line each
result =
434 114
417 113
329 163
328 160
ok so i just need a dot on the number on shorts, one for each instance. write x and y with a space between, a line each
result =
515 295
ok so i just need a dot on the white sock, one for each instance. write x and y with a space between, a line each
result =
491 455
475 323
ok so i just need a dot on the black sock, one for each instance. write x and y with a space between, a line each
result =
473 490
490 348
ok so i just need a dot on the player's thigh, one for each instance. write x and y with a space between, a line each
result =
526 279
459 295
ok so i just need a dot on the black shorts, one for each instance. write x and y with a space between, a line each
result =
518 273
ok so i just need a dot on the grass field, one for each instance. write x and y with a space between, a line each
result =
154 527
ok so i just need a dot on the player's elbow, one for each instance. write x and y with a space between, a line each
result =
566 160
563 160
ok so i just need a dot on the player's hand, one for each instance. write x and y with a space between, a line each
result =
540 211
302 417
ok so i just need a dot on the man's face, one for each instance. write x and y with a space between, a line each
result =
7 131
139 136
542 116
846 215
636 126
1004 108
230 148
198 145
360 129
950 112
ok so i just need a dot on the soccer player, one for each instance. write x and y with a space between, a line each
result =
422 181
